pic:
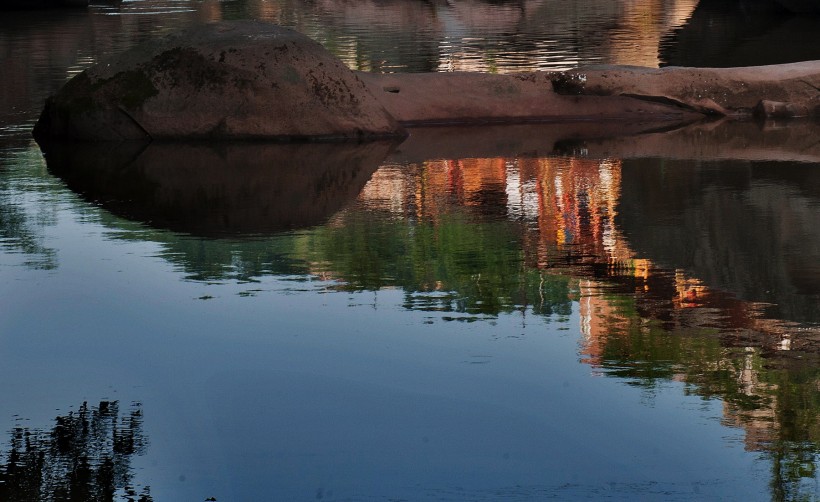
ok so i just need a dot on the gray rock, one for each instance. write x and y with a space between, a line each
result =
230 80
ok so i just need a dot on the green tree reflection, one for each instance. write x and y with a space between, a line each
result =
772 397
455 265
86 456
21 232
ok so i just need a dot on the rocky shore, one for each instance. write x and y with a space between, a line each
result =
253 80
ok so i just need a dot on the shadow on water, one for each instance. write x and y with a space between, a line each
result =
742 33
239 189
738 226
85 456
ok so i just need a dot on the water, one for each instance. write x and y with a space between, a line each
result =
498 313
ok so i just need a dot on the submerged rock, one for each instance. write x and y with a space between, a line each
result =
229 80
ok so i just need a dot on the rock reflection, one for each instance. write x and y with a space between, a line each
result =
85 456
219 190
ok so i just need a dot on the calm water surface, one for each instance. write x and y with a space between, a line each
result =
499 313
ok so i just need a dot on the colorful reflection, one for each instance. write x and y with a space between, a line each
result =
564 210
480 35
639 321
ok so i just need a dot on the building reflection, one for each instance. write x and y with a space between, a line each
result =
566 209
639 320
474 35
621 32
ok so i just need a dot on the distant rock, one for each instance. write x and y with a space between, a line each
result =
229 80
724 34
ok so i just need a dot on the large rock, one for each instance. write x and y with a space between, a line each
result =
603 93
776 91
236 80
476 98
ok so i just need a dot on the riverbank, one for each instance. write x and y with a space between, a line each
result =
252 80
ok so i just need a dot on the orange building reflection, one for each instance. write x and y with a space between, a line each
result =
565 208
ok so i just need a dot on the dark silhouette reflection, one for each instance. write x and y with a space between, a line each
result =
742 227
219 190
86 457
742 33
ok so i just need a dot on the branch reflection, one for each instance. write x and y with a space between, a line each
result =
85 456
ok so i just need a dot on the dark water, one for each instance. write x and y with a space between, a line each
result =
499 313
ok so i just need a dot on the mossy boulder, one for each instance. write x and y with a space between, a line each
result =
228 80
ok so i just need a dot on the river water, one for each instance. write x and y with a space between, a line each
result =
490 313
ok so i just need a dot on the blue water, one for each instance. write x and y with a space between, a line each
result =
479 315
